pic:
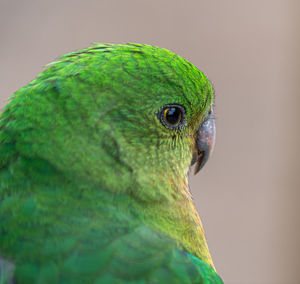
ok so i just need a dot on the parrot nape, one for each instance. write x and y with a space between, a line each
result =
94 158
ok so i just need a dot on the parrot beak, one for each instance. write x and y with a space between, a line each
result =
205 141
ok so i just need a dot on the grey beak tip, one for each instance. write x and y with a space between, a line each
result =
205 138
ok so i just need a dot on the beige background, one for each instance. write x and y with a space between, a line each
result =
248 194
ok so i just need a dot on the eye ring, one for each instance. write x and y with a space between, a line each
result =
172 116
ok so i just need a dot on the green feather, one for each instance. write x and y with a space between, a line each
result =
93 187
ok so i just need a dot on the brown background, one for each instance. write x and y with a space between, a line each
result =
248 194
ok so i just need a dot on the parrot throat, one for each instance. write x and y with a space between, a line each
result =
178 218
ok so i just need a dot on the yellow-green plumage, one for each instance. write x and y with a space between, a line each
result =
93 187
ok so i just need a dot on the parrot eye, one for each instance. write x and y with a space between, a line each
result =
172 116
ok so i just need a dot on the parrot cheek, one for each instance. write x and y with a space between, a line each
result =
205 141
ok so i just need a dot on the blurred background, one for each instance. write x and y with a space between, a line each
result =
248 194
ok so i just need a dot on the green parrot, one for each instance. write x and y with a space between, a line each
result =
94 158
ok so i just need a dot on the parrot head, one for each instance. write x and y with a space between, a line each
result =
118 115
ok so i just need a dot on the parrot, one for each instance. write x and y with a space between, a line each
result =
95 155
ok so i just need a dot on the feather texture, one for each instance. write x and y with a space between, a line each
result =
93 189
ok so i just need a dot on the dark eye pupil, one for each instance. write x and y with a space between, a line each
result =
173 115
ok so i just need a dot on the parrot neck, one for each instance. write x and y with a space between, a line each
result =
178 218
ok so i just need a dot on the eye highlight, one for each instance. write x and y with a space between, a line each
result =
172 116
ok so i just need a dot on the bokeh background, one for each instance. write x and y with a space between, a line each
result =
248 194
